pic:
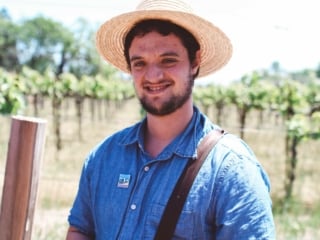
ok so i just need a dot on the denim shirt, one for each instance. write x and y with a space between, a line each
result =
123 191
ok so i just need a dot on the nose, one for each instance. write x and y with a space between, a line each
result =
153 73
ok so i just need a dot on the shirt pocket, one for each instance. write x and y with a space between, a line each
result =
184 228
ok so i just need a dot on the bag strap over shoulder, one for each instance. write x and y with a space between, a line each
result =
176 201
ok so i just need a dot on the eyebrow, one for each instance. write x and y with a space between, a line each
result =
169 54
166 54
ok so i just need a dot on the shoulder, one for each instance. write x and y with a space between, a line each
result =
242 189
238 163
232 144
114 143
232 147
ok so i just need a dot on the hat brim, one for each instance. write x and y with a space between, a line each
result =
215 46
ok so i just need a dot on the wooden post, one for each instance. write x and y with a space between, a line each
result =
25 152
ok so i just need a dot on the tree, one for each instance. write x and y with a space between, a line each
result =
318 71
246 95
11 98
8 41
212 95
44 43
313 96
86 60
293 106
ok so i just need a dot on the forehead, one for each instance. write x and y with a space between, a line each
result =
156 42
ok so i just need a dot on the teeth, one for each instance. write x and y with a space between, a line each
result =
155 88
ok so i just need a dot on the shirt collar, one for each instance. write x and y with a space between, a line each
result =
184 145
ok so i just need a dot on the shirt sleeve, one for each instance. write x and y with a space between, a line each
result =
81 212
243 203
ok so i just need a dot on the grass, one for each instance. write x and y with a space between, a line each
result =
300 219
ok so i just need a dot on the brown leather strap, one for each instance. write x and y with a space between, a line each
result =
175 204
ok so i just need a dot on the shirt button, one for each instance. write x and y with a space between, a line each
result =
146 168
133 207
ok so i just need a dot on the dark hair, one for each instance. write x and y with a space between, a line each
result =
165 28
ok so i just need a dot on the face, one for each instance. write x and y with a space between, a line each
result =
162 72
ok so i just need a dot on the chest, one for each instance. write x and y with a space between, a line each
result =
129 200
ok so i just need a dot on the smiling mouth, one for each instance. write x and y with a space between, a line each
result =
156 88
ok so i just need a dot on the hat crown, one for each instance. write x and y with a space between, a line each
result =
215 46
168 5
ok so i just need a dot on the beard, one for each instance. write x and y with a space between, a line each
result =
172 104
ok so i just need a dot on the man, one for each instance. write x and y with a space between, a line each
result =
127 179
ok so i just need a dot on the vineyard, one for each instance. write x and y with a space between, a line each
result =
53 72
278 117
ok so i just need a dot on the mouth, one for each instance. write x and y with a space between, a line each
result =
156 88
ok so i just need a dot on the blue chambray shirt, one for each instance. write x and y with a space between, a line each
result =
123 191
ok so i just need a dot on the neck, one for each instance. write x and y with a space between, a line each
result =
161 130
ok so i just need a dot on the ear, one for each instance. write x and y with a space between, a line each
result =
196 63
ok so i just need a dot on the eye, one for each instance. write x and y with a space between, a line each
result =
169 61
138 64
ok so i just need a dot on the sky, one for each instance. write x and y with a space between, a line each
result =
261 31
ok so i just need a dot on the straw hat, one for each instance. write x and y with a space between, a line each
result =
215 47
